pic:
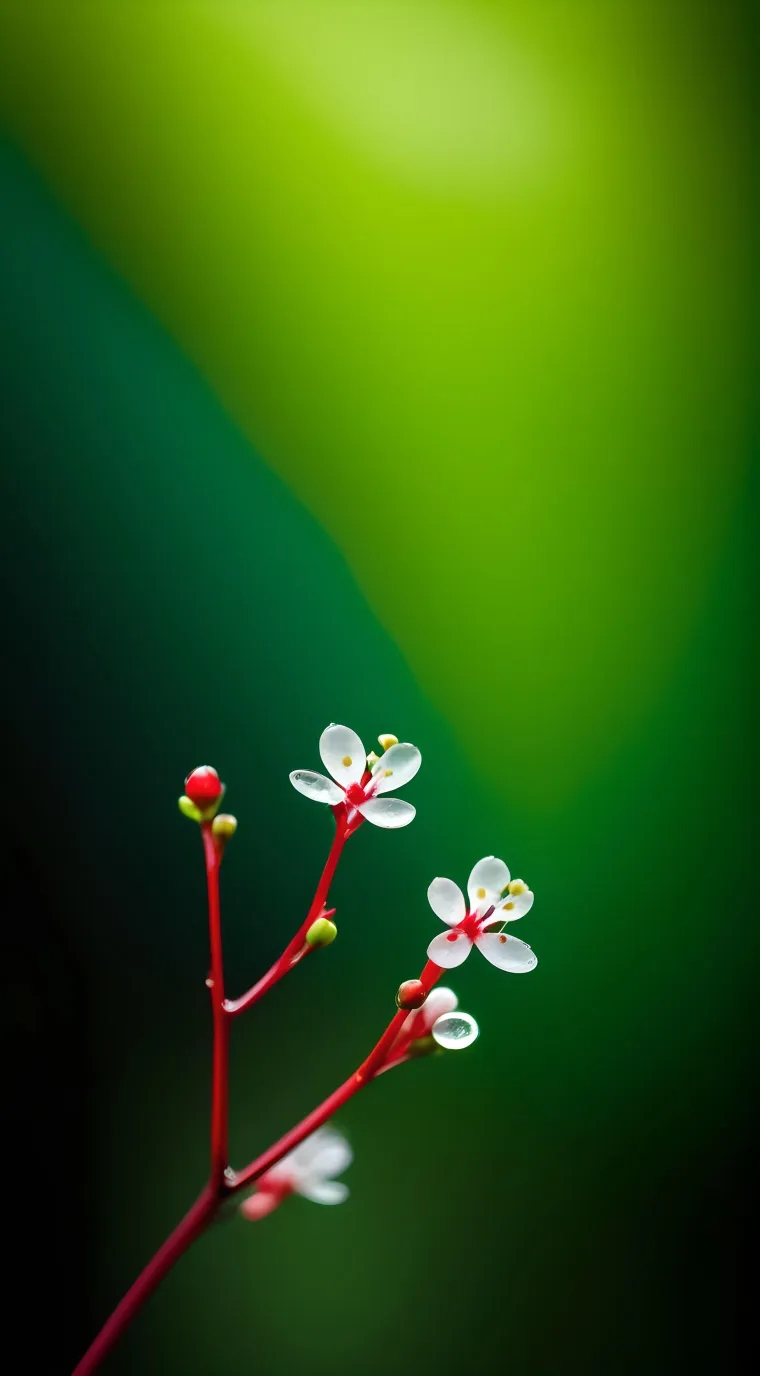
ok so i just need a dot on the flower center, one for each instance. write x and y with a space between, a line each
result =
470 925
355 794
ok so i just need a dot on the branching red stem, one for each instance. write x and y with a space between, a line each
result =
294 948
222 1182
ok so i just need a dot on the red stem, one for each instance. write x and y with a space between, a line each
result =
198 1218
220 1062
294 947
361 1077
195 1222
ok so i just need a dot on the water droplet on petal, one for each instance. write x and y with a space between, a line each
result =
455 1030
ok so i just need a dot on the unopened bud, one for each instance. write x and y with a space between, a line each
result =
411 994
188 809
372 759
224 826
387 741
423 1046
204 788
321 933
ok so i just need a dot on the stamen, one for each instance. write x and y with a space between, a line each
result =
347 761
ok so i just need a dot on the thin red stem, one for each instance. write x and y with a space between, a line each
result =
364 1075
294 950
195 1222
220 1061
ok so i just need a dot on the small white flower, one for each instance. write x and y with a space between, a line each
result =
308 1171
345 759
493 899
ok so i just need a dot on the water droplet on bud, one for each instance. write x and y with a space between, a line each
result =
453 1031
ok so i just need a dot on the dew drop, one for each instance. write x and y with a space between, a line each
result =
455 1030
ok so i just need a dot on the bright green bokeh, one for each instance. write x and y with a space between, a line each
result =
473 278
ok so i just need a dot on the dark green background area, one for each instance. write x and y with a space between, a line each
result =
567 1196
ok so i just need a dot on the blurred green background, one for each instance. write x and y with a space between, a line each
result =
390 364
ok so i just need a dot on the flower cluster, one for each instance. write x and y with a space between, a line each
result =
356 792
358 787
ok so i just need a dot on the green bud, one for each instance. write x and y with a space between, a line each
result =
424 1046
224 826
321 933
188 809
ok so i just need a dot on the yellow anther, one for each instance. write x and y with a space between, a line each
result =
346 760
387 741
507 907
517 886
387 773
481 893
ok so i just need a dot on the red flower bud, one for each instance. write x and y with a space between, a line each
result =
411 994
203 787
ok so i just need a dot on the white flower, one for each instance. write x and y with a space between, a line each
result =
308 1171
345 758
492 899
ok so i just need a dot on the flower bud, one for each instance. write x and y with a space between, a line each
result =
204 787
224 826
423 1046
387 741
411 994
321 933
372 759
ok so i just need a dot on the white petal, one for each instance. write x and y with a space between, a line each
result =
486 882
440 1000
343 754
449 949
513 906
396 767
387 812
332 1154
316 786
324 1191
447 901
507 952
